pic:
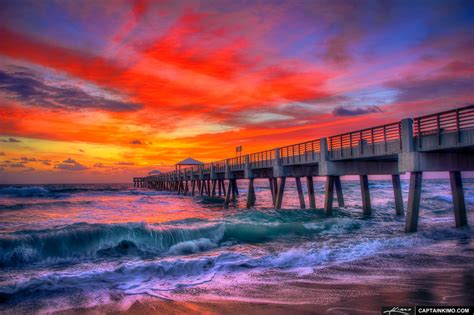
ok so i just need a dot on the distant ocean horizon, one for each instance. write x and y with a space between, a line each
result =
81 245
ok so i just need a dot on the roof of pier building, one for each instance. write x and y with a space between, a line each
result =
189 161
155 172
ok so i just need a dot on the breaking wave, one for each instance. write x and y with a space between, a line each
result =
82 241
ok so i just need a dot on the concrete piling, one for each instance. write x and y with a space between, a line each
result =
459 204
280 191
329 195
232 186
338 186
251 198
414 196
228 194
272 189
310 187
364 189
223 188
300 192
397 192
213 194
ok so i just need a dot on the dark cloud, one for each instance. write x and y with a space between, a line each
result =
124 163
136 142
355 111
26 87
100 165
46 163
17 165
71 166
28 159
436 88
10 140
69 161
2 153
80 150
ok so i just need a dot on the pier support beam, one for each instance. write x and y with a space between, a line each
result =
300 192
193 187
329 195
272 189
201 187
340 196
414 195
459 204
233 184
228 194
281 190
310 186
251 195
275 189
397 192
223 187
219 187
364 189
213 194
236 187
186 187
180 184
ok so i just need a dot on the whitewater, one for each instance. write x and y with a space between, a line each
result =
80 245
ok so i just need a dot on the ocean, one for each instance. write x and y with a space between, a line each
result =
79 246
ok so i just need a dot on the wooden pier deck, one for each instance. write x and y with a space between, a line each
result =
441 141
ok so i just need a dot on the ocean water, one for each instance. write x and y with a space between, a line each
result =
64 246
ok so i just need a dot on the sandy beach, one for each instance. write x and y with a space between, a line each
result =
351 288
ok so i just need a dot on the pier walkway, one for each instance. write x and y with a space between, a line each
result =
441 141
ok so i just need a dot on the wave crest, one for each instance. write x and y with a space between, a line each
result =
34 191
88 241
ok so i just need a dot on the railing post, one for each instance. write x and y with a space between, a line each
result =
400 135
438 125
330 145
212 174
372 140
227 169
201 171
350 140
458 129
418 126
277 167
406 135
340 145
247 169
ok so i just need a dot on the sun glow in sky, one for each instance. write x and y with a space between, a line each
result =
104 90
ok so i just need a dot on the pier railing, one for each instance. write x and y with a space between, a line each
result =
263 159
375 141
435 131
237 163
301 153
219 166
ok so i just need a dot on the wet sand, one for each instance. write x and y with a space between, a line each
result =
359 287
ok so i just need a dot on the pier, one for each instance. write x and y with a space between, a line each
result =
441 141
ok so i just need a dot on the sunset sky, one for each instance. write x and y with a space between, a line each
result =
100 91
